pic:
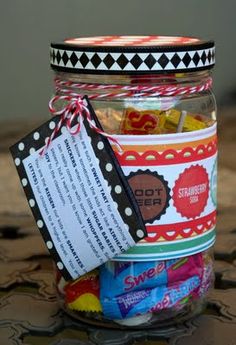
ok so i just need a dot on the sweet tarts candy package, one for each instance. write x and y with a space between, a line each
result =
121 290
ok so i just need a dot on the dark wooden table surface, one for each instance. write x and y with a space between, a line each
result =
29 312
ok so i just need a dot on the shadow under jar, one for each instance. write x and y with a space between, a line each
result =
153 93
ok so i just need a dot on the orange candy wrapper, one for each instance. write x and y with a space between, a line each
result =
83 294
158 122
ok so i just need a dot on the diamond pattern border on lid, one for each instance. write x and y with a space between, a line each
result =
145 58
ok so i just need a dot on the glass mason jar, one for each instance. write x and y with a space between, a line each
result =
154 95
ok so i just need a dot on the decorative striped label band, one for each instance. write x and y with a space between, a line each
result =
173 178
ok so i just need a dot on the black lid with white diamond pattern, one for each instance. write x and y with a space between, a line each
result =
132 55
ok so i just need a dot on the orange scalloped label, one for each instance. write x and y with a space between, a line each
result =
186 163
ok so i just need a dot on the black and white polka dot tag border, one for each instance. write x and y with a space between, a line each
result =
28 145
120 190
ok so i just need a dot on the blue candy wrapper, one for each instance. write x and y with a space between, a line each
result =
122 277
147 300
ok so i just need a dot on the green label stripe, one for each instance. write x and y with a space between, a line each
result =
166 256
175 250
214 183
159 248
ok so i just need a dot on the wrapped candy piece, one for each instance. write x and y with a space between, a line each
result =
143 122
105 115
123 277
159 121
183 268
149 299
83 294
191 123
207 276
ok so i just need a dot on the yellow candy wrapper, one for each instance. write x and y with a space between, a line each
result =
191 122
83 294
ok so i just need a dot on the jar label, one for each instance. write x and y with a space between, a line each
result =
173 178
79 196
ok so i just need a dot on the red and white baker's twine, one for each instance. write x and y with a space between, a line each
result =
131 90
77 108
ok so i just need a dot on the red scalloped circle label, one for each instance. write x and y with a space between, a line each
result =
191 191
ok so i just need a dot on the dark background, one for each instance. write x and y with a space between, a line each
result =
27 27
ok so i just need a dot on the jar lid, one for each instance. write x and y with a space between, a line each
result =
132 54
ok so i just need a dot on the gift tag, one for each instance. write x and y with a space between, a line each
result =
79 196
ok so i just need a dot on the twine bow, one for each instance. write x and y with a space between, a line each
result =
76 109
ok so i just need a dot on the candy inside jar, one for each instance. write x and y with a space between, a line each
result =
154 96
132 293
